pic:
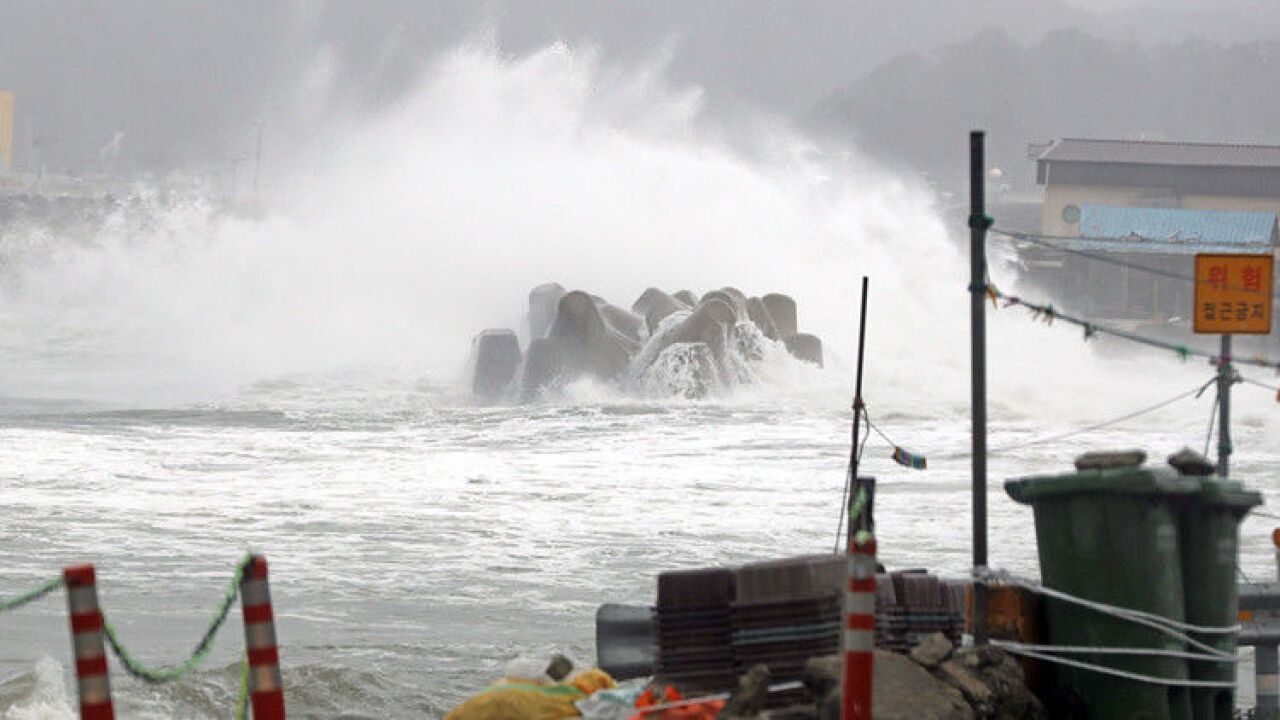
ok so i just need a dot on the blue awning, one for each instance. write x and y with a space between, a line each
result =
1173 230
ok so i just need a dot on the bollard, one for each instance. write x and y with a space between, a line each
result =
859 631
87 646
266 691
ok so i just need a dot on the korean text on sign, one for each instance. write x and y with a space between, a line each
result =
1233 294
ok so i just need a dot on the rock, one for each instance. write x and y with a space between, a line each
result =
822 676
1014 700
559 667
1111 460
1189 462
967 681
932 650
902 690
980 657
748 700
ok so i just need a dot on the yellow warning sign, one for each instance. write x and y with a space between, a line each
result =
1233 294
6 127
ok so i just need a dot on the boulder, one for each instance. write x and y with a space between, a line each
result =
559 667
968 681
1007 696
902 690
932 650
748 700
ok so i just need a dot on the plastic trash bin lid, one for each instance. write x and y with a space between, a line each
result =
1121 481
1229 493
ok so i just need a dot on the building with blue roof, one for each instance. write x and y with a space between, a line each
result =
1112 204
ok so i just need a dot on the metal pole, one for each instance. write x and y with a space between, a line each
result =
858 636
1225 379
857 402
978 327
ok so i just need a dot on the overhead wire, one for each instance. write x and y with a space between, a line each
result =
1048 313
1052 242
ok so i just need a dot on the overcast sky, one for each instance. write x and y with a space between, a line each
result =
185 82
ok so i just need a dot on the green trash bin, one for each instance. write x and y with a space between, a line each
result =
1209 539
1111 535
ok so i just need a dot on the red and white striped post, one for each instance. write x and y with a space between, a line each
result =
87 645
859 630
266 690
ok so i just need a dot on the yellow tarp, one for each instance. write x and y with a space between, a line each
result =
515 699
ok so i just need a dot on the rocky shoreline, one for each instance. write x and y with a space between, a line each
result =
936 681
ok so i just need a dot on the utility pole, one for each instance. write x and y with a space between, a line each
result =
1225 378
978 223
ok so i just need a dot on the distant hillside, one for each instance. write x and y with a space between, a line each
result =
916 110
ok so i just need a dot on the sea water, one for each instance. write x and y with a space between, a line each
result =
181 385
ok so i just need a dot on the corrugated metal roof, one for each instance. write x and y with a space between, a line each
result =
1174 230
1142 152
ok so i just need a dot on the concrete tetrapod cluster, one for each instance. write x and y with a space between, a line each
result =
676 344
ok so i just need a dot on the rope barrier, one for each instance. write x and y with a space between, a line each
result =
1103 669
31 595
1167 626
1138 652
1264 386
242 698
170 673
1048 313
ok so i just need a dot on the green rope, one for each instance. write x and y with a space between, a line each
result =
170 673
242 698
31 595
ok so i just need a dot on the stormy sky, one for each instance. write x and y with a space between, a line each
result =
184 84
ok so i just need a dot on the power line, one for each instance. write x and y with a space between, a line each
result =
1052 242
1264 386
1108 423
1194 392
